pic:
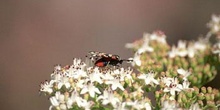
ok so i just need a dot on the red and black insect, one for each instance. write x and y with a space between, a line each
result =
101 59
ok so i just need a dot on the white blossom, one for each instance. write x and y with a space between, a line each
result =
159 36
149 78
74 98
173 87
58 101
115 83
47 87
91 89
184 73
64 81
136 59
95 75
108 97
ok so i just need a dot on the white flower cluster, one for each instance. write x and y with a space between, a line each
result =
144 46
158 36
183 50
79 86
172 84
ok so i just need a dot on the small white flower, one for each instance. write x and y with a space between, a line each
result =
126 74
149 78
91 89
115 83
145 46
54 102
191 51
47 87
95 76
64 81
200 45
76 73
186 84
80 83
123 73
173 87
57 100
57 68
87 104
107 76
166 80
136 59
74 98
182 51
78 63
108 97
184 73
159 36
173 52
56 76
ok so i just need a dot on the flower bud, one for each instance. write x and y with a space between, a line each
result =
56 86
207 97
196 90
209 74
71 80
211 103
199 75
206 68
200 96
189 94
212 96
86 96
209 89
184 99
203 89
179 99
194 80
157 94
66 95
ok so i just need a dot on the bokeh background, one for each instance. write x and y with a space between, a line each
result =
37 34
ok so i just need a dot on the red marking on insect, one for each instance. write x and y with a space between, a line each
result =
66 67
101 59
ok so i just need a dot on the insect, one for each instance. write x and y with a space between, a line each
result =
101 59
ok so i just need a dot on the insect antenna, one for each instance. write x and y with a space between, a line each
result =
127 60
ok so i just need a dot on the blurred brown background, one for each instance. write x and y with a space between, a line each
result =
37 34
